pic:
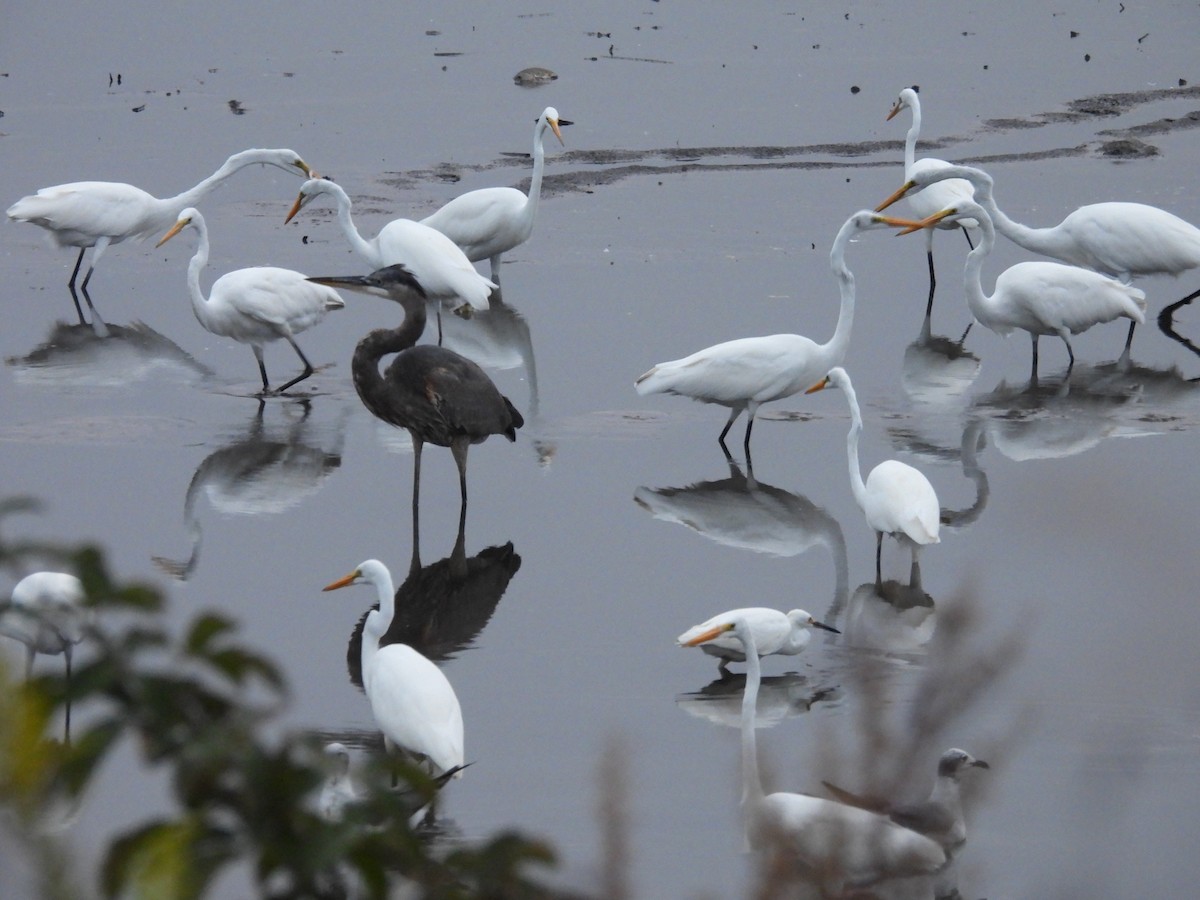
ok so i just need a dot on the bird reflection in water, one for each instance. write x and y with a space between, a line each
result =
780 697
937 370
102 355
891 617
262 471
741 511
441 608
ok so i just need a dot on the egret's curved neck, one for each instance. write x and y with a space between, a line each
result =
539 164
910 141
752 791
358 243
856 426
977 301
834 350
193 195
198 261
378 621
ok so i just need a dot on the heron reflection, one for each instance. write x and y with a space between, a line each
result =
262 471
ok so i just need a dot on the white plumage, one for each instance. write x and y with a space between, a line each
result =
1043 297
896 498
256 305
442 269
743 374
413 703
491 221
775 632
46 614
99 213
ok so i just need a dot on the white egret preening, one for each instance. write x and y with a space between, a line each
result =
836 842
940 816
745 373
1119 239
491 221
1042 297
937 195
896 498
775 632
413 703
47 615
256 305
444 271
99 213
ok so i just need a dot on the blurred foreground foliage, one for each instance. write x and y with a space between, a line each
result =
201 710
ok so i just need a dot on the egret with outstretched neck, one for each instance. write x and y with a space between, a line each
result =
896 498
489 222
743 374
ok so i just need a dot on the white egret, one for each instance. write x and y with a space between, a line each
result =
256 305
835 842
488 222
936 196
1120 239
436 394
745 373
47 615
339 788
99 213
1042 297
413 703
774 632
941 815
444 271
896 498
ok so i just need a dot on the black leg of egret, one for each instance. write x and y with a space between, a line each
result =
262 368
308 369
932 282
746 442
71 287
724 431
1033 375
878 558
1066 339
1166 322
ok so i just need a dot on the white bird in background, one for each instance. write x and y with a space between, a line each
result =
774 632
745 373
489 222
940 816
98 213
937 195
435 261
413 703
256 305
1042 297
896 498
1123 240
47 615
835 842
339 789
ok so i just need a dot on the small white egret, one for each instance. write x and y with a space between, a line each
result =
745 373
896 498
444 271
837 843
99 213
1041 297
775 632
1119 239
47 615
941 815
413 703
491 221
937 195
256 305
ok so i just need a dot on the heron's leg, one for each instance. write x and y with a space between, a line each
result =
1166 322
418 445
459 448
308 369
262 368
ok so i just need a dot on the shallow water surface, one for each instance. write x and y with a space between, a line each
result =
713 157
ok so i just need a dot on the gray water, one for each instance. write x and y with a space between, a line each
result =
714 155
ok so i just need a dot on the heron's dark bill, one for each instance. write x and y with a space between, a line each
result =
351 282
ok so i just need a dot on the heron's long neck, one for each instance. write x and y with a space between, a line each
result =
910 141
364 366
752 790
835 348
856 426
